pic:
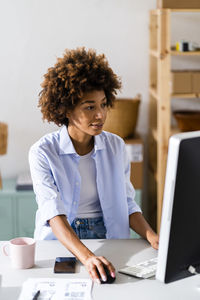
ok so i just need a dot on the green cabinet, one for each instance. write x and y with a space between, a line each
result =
17 211
7 225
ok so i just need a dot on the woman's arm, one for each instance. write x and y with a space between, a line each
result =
138 223
66 235
53 212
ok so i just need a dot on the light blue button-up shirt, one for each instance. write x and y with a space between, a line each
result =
57 182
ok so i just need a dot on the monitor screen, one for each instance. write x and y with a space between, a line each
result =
179 245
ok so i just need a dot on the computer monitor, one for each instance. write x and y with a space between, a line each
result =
179 244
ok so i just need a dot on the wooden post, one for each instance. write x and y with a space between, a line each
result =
164 104
152 142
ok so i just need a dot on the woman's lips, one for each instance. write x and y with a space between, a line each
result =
97 126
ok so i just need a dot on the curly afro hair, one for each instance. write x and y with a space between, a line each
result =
77 72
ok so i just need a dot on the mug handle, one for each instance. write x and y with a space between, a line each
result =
4 249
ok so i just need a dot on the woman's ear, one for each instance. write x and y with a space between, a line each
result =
68 114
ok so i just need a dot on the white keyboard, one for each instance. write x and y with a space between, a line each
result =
143 269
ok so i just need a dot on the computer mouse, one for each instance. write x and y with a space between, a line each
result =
110 279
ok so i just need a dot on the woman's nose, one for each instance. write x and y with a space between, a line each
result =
99 114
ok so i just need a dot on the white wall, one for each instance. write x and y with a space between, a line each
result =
35 32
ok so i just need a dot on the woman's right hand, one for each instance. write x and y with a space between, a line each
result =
94 263
65 234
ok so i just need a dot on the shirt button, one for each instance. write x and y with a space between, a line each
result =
74 202
77 183
78 222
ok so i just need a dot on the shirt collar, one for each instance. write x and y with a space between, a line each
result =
99 143
67 147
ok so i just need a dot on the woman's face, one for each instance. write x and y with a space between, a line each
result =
89 116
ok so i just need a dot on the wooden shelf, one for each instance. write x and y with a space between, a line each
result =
158 11
184 10
186 53
160 96
185 95
153 93
156 54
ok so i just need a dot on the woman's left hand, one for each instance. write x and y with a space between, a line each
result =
153 239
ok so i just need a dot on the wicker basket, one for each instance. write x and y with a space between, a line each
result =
187 120
122 118
3 138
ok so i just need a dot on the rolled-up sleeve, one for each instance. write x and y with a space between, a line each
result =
130 191
47 194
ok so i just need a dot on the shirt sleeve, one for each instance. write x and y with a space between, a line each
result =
47 194
130 191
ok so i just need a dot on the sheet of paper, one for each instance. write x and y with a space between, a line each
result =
57 288
134 152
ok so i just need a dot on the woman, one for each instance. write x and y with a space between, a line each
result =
81 173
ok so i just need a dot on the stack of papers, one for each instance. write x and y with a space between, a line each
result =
56 288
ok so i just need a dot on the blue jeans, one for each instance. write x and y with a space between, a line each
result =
89 228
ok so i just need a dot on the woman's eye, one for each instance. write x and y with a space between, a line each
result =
104 104
90 107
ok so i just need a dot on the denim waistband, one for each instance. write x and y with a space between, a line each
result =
87 221
89 228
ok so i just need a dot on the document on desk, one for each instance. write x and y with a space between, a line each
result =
56 288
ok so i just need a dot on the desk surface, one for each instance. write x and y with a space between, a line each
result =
120 253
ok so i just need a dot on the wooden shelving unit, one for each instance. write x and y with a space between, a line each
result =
160 96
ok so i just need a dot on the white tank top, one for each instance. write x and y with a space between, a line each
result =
89 204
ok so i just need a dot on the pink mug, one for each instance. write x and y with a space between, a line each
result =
21 252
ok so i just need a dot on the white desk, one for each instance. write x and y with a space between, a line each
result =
120 253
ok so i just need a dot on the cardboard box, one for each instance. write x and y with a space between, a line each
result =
182 4
135 149
181 82
196 82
